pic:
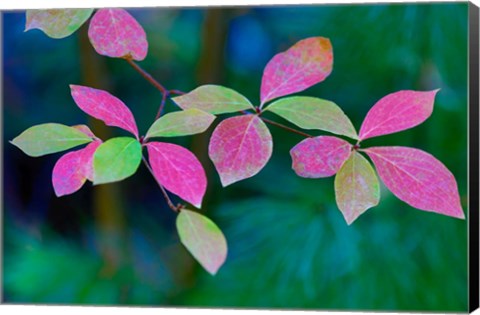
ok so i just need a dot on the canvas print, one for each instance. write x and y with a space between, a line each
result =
275 157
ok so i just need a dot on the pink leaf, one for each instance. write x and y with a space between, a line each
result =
115 33
73 169
418 179
240 147
396 112
306 63
104 106
320 156
178 170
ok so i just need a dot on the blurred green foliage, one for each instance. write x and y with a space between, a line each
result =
289 246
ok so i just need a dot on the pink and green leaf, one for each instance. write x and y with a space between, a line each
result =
306 63
57 23
240 147
86 130
104 106
73 169
214 99
182 123
178 170
49 138
320 156
396 112
313 113
116 159
203 239
356 187
418 178
115 33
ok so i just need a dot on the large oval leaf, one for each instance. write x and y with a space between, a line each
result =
314 113
203 239
320 156
49 138
396 112
240 147
183 123
57 23
306 63
418 179
73 169
356 187
115 33
178 170
116 159
104 106
214 99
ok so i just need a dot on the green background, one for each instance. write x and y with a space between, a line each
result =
289 246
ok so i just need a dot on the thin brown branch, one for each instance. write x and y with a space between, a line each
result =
298 132
176 208
147 76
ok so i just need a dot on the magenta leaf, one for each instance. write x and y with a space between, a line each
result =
104 106
178 170
240 147
115 33
418 179
306 63
73 169
396 112
320 156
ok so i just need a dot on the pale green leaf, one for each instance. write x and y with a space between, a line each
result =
214 99
57 23
314 113
183 123
116 159
203 239
49 138
356 187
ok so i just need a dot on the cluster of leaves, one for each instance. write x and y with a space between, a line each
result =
240 146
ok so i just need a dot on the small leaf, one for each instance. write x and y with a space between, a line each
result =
314 113
203 239
418 179
116 159
306 63
115 33
104 106
320 156
356 187
214 99
85 129
49 138
73 169
396 112
57 23
240 147
183 123
178 170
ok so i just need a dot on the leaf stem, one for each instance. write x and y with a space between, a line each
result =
176 208
147 76
298 132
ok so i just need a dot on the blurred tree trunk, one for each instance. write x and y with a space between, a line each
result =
107 199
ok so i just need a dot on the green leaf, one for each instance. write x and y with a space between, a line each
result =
314 113
203 239
57 23
183 123
214 99
49 138
116 159
356 187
